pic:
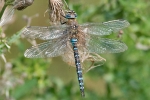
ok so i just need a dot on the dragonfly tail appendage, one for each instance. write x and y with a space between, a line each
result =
78 65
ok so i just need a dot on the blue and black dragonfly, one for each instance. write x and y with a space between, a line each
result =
72 41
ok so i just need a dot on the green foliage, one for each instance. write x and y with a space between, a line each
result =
124 76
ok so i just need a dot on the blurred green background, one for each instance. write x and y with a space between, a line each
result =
124 76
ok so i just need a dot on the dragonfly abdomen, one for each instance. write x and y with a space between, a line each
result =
78 65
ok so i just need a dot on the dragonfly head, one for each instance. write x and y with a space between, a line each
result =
71 14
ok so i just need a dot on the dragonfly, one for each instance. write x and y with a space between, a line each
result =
73 41
17 4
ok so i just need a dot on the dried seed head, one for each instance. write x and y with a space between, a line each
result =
22 4
56 11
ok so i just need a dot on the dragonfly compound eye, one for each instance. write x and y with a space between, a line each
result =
71 15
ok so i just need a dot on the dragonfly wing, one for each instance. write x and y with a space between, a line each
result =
44 33
57 49
7 16
38 51
46 50
104 28
103 45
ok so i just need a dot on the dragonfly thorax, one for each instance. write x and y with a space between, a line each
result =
74 30
74 27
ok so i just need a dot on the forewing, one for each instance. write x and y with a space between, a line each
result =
104 28
44 33
104 45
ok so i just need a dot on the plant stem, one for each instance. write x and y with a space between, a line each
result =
2 11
